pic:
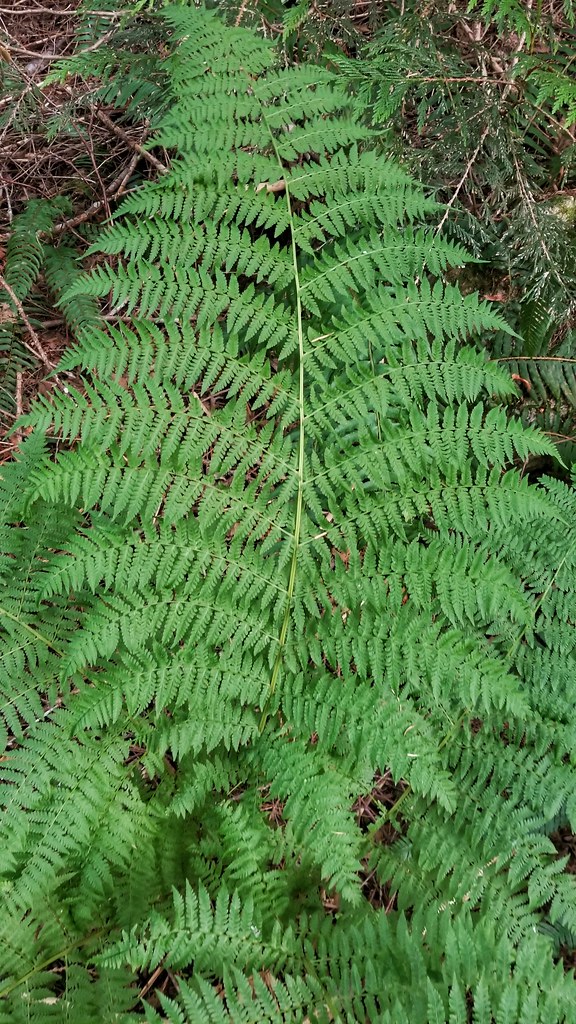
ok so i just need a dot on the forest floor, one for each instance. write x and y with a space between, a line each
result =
91 165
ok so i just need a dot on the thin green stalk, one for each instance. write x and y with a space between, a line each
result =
33 632
300 463
12 985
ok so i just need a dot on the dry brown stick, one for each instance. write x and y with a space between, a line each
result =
114 190
460 184
160 167
36 346
529 201
447 80
64 13
241 13
17 435
52 56
472 160
89 144
117 186
73 222
40 10
8 203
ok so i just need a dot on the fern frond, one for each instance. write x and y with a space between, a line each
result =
285 543
25 254
557 89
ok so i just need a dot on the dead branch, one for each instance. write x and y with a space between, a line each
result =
121 134
36 347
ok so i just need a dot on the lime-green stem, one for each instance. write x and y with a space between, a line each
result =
33 632
50 960
300 463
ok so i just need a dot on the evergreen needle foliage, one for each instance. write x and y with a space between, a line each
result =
277 543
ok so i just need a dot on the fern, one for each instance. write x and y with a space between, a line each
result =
516 15
558 89
283 543
508 13
25 253
124 70
437 94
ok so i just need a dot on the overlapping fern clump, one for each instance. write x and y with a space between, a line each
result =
279 547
